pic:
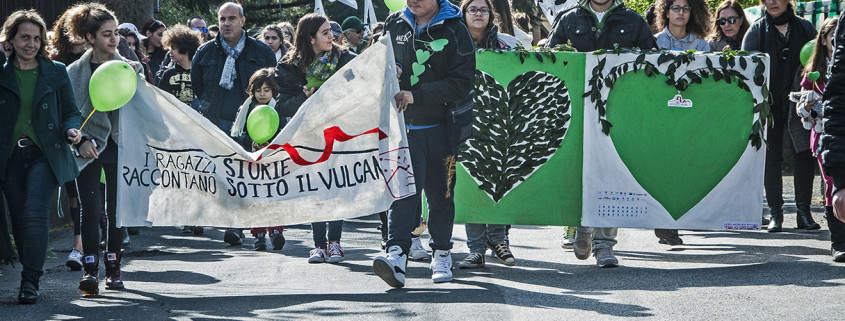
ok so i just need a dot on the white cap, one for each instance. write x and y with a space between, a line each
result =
133 28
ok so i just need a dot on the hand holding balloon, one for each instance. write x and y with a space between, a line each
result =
111 86
262 124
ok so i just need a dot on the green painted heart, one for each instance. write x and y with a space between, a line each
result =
517 130
422 56
417 68
414 80
438 44
678 154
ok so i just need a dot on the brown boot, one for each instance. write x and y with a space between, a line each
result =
113 281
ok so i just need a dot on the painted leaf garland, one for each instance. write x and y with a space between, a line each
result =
517 130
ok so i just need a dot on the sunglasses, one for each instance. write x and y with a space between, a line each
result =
676 8
201 29
724 21
153 25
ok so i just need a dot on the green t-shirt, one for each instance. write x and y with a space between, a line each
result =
26 87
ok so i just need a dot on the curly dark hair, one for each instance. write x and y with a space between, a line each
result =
261 77
699 21
86 18
183 38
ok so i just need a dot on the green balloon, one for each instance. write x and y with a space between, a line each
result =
112 85
395 5
262 123
807 51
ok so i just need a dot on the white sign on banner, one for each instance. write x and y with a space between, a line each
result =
344 154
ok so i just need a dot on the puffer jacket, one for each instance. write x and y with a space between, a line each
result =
620 25
448 74
833 138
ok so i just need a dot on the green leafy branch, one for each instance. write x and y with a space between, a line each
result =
726 71
539 53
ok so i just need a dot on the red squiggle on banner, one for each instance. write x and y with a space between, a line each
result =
331 135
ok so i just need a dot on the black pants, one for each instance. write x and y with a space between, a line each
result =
29 186
91 198
433 159
773 177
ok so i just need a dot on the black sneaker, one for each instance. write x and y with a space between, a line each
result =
278 240
503 253
233 237
472 261
260 244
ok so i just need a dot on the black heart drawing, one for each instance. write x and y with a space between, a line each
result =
516 131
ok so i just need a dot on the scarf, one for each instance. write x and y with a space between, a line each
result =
320 69
784 53
228 77
239 125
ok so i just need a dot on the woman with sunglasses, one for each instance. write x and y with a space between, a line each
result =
781 34
684 23
729 28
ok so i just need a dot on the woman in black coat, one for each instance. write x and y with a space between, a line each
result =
781 34
312 60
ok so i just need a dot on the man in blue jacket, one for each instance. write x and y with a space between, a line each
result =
434 51
221 68
220 75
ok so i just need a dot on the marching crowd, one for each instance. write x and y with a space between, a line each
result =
223 72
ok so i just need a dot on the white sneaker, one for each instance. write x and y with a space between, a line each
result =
335 253
317 255
441 266
74 260
391 268
417 251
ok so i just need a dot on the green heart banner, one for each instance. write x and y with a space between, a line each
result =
674 140
523 164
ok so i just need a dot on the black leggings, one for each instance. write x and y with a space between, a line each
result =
91 198
73 199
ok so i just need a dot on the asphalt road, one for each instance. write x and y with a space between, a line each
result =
748 275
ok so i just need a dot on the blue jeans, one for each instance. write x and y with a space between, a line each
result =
433 160
319 231
479 234
603 237
29 187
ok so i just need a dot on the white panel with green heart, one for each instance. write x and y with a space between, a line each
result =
674 139
523 163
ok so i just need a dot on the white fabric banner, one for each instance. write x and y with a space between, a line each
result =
318 7
344 154
350 3
614 194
